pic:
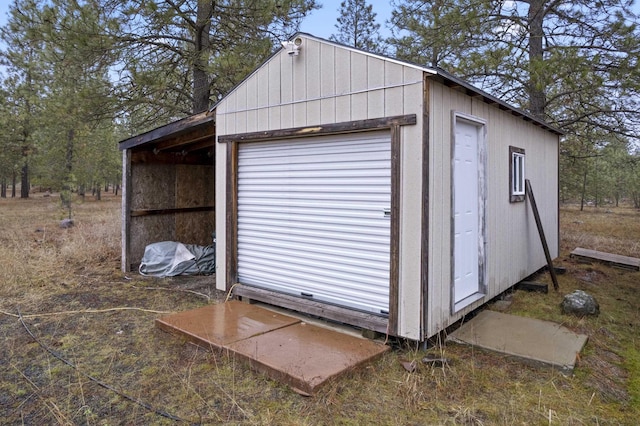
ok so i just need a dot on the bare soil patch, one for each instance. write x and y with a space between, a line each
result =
73 298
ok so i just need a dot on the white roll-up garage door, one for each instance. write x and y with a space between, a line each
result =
313 218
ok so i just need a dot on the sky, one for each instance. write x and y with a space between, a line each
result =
320 23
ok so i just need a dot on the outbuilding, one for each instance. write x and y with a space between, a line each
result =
375 192
167 188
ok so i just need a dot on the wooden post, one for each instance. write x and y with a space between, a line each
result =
545 247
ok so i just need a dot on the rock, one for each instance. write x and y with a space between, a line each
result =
580 303
410 366
66 223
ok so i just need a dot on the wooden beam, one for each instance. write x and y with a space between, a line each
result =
532 286
231 224
155 212
325 129
314 308
394 261
150 157
616 260
543 239
126 206
167 130
184 140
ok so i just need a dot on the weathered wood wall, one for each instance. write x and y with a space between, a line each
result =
172 187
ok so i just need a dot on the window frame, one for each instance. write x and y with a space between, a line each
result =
517 174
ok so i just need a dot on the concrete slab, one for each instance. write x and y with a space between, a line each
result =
305 356
301 355
220 324
530 339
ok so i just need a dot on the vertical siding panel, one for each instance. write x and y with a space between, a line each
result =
343 85
443 215
262 99
275 92
221 121
410 300
327 84
299 88
251 101
263 83
358 84
286 91
375 81
313 80
230 115
393 102
299 85
241 105
436 136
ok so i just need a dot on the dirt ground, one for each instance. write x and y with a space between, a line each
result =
78 343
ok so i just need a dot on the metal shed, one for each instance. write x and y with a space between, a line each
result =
376 192
168 186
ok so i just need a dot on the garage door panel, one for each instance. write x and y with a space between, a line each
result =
343 259
317 287
332 242
313 218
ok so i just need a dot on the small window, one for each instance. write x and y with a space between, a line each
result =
516 174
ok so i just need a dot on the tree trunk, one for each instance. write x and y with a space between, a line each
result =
65 195
536 86
201 91
584 190
24 180
3 188
13 184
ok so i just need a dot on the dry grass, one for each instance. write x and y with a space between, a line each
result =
48 270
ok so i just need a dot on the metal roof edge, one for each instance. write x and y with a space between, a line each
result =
419 67
490 99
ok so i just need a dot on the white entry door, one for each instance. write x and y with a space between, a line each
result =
313 218
468 212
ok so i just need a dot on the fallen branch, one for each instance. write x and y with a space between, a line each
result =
85 311
97 381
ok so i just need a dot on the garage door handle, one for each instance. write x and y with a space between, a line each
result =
386 212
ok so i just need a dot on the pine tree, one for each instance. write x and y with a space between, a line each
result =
572 64
179 57
357 27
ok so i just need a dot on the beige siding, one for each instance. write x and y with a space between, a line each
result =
328 84
514 250
324 84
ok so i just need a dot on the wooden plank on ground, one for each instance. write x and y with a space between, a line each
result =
340 314
608 258
532 286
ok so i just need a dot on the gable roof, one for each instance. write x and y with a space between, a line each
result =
438 73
